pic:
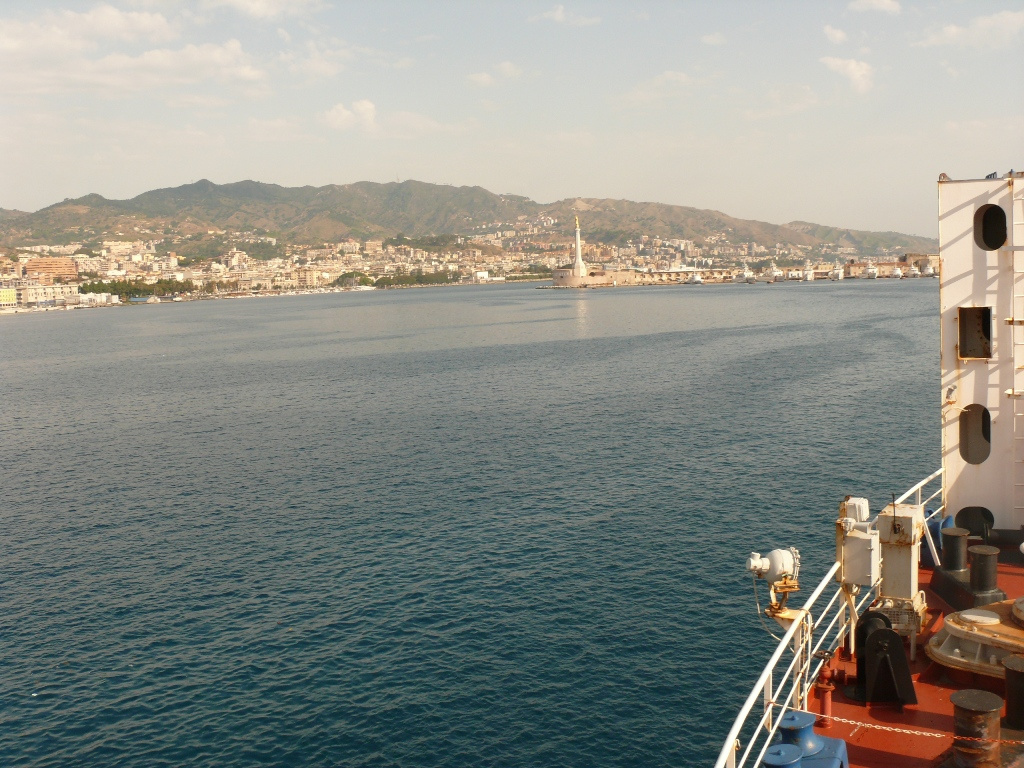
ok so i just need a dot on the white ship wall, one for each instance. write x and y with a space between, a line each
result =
971 276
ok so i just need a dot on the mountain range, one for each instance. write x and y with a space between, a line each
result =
413 208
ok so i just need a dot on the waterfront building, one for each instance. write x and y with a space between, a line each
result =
32 294
52 267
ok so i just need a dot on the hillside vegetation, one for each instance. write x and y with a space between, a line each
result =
410 208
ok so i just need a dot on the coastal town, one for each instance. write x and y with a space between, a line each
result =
116 268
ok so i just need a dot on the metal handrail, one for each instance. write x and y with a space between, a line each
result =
803 639
731 740
917 488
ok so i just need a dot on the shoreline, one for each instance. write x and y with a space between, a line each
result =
10 311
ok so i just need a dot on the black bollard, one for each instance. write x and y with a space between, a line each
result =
1014 691
983 567
954 548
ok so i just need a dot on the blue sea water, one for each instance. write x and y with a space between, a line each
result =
479 526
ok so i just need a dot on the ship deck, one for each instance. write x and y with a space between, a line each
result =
919 735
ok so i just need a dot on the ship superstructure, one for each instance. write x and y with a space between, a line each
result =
911 650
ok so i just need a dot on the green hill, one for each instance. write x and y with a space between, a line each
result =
414 208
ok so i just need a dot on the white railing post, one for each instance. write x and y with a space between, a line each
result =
769 698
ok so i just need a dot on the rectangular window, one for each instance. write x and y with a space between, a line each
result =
975 332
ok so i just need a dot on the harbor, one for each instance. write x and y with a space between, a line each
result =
579 274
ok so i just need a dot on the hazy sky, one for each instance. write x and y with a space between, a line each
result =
839 113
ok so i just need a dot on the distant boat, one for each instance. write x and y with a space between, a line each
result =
913 272
746 276
836 273
771 275
928 271
808 271
897 273
870 271
695 279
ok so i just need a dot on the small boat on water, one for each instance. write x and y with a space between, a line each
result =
836 273
772 274
745 276
897 273
913 271
695 279
871 271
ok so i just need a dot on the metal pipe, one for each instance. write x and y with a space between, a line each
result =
825 688
931 543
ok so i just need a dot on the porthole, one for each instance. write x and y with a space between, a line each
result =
975 433
990 227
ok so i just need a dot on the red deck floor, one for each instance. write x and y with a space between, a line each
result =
870 746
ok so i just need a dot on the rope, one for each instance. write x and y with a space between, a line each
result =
893 729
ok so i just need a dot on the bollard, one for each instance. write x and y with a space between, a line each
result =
782 756
954 548
797 728
1014 692
976 716
983 567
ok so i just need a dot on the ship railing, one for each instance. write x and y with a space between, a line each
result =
918 492
810 640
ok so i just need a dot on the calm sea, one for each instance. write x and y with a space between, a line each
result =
481 526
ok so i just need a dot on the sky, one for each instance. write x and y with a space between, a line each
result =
841 113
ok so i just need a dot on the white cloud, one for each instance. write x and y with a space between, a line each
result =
887 6
834 35
506 70
406 62
559 15
782 101
119 73
365 113
196 100
401 124
715 38
318 60
482 79
996 31
269 9
67 31
406 124
277 129
340 117
859 73
660 87
509 70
